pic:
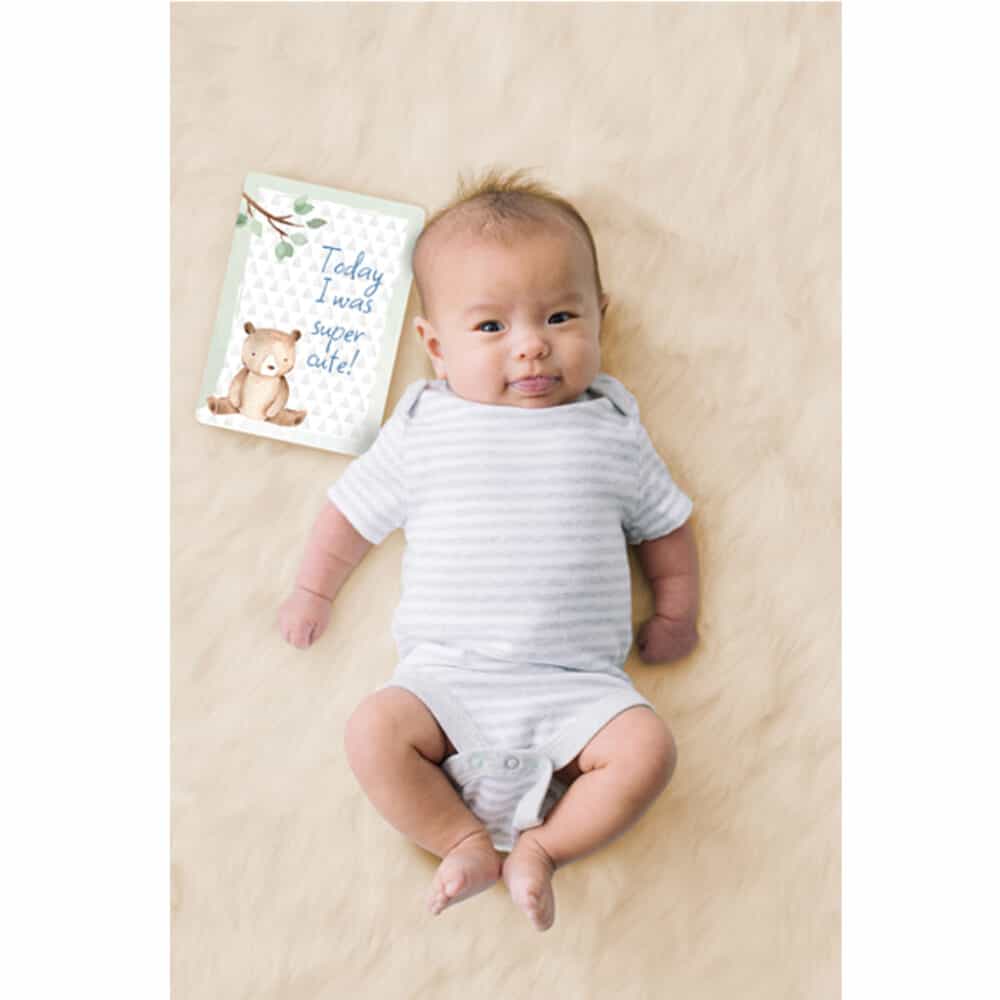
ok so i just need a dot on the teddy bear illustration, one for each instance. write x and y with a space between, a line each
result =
259 389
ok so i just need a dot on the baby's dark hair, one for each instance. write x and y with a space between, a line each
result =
494 204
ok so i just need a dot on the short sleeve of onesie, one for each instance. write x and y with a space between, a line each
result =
658 506
371 492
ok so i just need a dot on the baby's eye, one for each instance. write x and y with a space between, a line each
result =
488 322
555 316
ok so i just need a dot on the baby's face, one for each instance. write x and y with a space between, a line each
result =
503 312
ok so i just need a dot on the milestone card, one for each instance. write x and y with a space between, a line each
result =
310 316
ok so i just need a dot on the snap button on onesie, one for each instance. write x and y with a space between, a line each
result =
507 793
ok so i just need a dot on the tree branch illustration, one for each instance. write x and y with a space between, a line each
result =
272 219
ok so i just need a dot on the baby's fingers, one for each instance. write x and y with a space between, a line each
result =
297 633
303 634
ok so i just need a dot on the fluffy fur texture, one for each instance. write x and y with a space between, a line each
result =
701 142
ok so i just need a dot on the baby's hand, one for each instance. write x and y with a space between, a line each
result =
661 640
303 617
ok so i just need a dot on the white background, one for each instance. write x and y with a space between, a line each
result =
85 723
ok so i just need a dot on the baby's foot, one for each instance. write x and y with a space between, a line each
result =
471 866
527 873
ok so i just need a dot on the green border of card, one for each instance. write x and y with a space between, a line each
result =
366 432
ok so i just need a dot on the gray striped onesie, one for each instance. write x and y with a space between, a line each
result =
515 616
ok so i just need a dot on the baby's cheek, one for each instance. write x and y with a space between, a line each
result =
485 371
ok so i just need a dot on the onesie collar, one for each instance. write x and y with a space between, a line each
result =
603 385
608 386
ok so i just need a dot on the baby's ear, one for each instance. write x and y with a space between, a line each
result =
604 303
427 337
424 331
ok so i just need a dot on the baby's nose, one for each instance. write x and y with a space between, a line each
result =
536 349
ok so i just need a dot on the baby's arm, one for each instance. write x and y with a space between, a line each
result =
333 550
671 566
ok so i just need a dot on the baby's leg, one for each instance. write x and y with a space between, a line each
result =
623 770
394 747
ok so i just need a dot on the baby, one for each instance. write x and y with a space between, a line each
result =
509 740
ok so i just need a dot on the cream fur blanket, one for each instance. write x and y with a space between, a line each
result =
702 142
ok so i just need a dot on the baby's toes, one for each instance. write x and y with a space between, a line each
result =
453 884
445 888
536 903
439 897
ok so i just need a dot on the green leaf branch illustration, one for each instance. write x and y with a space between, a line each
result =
281 224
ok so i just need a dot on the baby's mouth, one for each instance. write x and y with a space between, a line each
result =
536 385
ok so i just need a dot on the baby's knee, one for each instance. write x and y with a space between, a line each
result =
655 752
367 732
667 753
390 721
